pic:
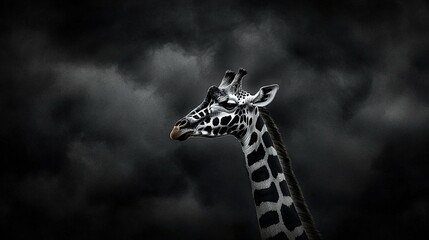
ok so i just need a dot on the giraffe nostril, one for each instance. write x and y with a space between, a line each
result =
182 123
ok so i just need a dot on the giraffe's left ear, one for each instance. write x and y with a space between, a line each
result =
265 95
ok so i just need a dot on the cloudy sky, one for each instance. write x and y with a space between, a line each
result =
90 90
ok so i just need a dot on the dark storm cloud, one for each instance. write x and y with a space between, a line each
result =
397 196
89 92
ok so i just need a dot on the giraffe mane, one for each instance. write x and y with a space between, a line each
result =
296 193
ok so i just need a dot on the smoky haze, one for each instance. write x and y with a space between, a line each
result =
89 91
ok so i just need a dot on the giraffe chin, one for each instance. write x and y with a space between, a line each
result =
180 134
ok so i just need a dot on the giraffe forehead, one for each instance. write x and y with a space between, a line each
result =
239 96
240 93
220 94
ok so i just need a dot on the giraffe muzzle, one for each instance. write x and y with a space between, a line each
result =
180 134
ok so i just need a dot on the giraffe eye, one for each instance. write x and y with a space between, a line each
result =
228 104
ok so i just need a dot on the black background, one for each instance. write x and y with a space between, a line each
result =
89 91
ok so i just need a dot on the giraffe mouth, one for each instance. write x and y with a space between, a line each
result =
180 134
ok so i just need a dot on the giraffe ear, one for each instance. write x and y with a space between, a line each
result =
265 95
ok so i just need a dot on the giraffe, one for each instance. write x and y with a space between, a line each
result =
229 110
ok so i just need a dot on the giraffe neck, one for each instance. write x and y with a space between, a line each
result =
275 209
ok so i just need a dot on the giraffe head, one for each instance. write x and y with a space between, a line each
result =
227 109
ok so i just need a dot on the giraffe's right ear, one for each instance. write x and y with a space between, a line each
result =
265 95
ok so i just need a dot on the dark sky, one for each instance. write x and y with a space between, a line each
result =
90 90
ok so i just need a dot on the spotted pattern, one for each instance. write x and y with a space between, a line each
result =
228 112
225 120
290 222
260 174
284 188
269 218
208 121
274 165
270 190
215 121
253 138
256 155
266 195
